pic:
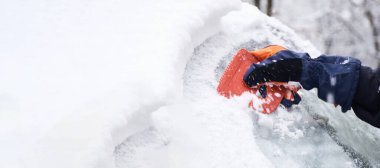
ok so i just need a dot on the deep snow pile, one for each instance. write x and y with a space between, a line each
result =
132 84
74 75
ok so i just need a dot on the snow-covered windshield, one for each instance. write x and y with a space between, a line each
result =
133 84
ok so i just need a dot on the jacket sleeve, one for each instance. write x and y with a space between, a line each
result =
366 103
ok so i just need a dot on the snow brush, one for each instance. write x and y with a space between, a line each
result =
266 97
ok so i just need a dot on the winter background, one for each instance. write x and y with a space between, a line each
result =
133 84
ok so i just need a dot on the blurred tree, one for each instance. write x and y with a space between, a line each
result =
269 7
258 4
374 28
339 27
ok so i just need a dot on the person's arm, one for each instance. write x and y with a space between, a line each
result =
335 77
339 80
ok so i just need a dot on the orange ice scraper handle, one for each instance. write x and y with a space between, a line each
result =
232 84
266 52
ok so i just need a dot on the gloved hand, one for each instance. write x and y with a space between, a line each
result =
290 92
335 77
291 96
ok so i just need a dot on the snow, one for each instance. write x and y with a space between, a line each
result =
333 81
75 73
346 61
330 98
132 84
277 94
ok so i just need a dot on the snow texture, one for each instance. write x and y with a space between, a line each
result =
132 84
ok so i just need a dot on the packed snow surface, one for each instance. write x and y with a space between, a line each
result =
132 84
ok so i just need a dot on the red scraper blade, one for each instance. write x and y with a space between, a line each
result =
232 84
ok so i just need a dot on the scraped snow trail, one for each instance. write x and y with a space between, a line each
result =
206 130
